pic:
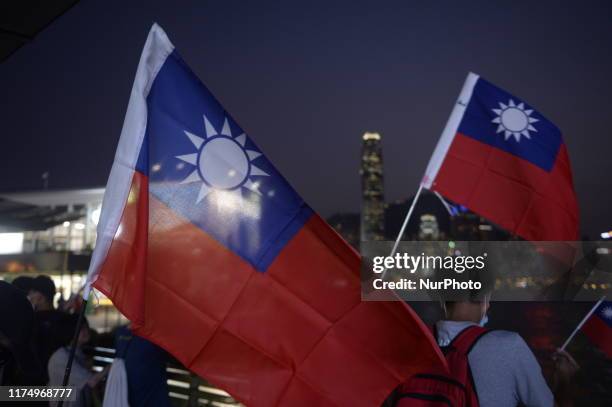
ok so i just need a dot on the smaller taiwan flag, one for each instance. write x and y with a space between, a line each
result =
502 159
599 328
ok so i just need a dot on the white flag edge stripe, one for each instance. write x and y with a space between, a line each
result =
450 130
156 49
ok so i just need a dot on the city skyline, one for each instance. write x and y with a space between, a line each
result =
306 83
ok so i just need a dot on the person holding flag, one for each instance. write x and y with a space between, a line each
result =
499 369
213 256
502 159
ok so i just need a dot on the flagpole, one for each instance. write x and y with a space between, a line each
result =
448 209
406 220
567 341
75 339
404 225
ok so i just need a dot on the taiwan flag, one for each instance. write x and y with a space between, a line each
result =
599 327
504 160
213 256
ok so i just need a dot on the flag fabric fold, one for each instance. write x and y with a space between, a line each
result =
212 255
504 160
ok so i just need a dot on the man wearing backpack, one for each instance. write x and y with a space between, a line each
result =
487 367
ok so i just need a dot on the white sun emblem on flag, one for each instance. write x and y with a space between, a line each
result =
514 120
607 312
222 162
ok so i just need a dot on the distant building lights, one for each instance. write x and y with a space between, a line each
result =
371 136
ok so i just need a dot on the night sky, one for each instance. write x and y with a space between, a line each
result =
306 79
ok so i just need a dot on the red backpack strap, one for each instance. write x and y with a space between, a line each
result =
466 339
457 358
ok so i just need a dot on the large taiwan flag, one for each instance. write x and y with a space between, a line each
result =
212 255
504 160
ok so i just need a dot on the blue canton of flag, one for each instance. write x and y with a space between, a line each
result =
499 119
604 311
201 164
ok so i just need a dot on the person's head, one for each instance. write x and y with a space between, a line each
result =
469 304
24 283
467 310
41 293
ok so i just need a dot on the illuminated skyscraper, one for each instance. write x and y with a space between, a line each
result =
372 189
